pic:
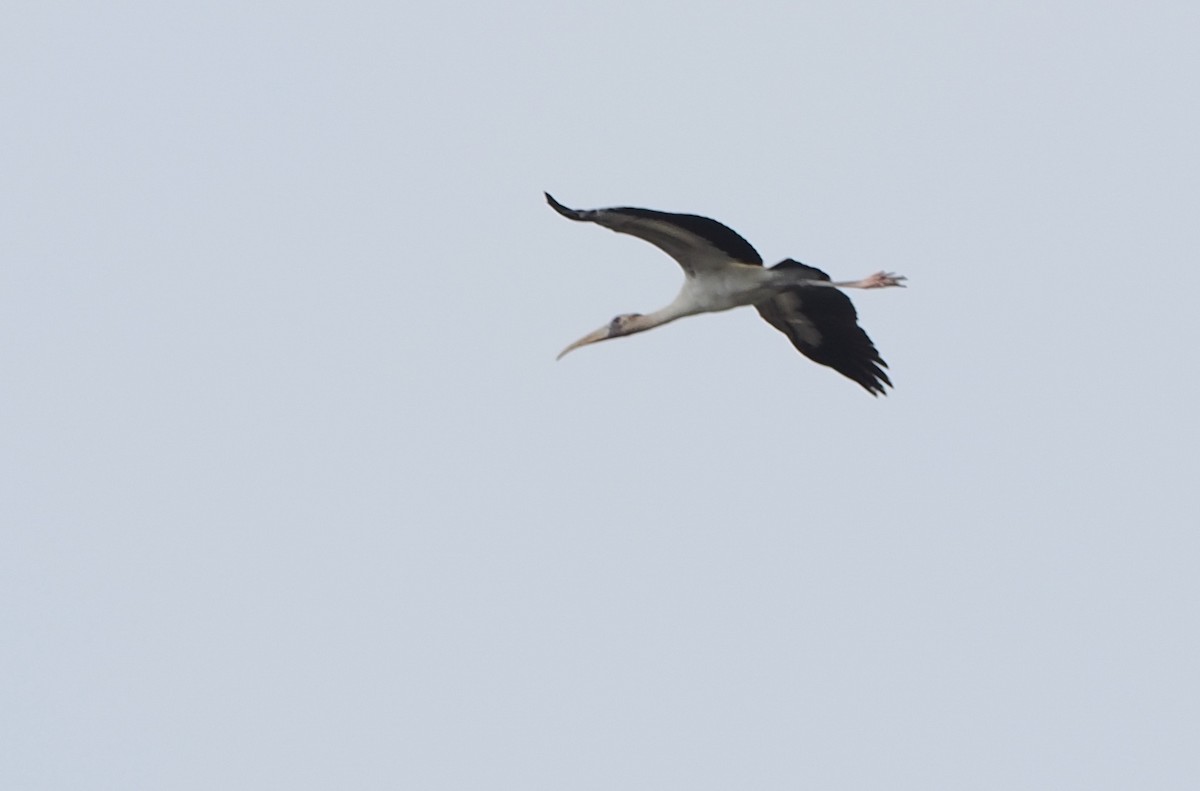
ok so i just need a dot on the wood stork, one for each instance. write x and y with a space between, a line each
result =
722 271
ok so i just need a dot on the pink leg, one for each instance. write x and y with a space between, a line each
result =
877 280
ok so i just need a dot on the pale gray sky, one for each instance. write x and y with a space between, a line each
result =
294 495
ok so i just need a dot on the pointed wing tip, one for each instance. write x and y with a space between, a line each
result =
872 379
571 214
879 386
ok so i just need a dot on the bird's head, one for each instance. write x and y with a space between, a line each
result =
625 324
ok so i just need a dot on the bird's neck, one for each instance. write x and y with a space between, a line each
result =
684 305
648 321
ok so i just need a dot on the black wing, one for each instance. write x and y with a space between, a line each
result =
697 243
822 323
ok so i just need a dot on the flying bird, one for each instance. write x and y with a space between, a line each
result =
723 271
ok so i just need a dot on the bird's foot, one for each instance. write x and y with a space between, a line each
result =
883 280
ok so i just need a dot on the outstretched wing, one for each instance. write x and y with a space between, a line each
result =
697 243
822 323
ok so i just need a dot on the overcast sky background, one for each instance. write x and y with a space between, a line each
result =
294 495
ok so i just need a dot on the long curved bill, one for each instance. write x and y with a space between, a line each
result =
591 337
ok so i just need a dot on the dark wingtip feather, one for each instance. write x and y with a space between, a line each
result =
570 214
